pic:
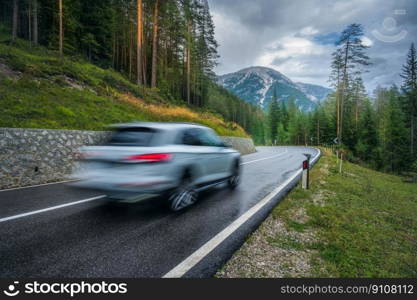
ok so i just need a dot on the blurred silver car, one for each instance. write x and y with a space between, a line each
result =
143 160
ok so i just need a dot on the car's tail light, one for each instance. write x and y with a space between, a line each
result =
148 158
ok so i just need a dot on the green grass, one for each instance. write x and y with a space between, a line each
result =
69 93
296 226
366 225
286 242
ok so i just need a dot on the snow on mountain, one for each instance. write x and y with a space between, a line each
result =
315 92
257 85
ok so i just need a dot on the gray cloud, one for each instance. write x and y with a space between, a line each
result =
286 35
278 61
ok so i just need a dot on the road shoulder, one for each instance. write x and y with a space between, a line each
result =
278 248
360 223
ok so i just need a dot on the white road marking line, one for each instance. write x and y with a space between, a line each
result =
49 209
256 160
204 250
37 185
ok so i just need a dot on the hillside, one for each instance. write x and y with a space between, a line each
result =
360 223
38 89
258 84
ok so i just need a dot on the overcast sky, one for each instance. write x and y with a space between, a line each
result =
296 37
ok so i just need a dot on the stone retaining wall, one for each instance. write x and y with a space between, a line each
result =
243 145
36 156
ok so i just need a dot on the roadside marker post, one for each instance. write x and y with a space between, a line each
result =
306 172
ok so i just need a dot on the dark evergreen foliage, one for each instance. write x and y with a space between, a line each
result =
105 33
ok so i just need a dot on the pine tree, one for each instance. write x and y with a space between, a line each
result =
274 118
368 136
336 79
296 127
359 96
284 116
348 61
320 131
396 148
409 74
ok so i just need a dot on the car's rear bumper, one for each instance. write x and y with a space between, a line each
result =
123 188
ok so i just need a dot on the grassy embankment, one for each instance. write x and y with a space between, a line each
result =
38 89
360 223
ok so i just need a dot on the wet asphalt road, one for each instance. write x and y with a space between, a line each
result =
100 239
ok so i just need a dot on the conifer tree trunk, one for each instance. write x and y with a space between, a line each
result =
15 19
412 135
130 49
154 45
338 113
114 51
144 59
356 113
344 85
338 105
139 42
61 31
188 67
30 22
35 22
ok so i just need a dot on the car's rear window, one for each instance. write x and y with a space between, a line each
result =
138 136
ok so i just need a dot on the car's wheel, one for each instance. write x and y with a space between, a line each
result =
234 180
184 195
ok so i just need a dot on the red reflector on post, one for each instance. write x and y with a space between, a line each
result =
305 164
154 157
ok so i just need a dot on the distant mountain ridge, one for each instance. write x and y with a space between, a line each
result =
257 84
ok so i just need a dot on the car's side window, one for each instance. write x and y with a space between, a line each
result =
135 136
200 137
191 137
209 138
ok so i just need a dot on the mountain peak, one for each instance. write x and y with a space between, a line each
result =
261 71
258 69
257 84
